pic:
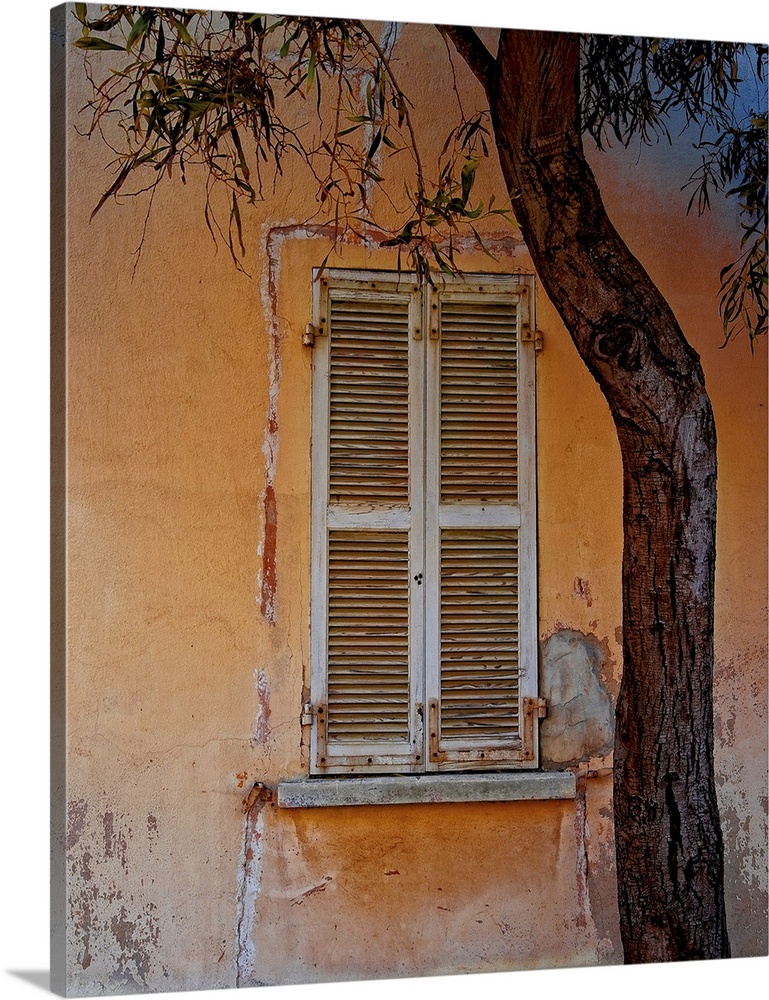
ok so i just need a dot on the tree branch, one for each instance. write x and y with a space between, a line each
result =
474 52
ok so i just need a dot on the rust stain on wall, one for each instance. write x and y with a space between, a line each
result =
269 554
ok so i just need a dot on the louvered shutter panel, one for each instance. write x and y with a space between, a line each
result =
368 637
369 399
478 402
479 685
367 618
479 697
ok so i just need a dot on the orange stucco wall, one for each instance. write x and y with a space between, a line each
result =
187 630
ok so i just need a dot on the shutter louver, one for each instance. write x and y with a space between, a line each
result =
369 369
478 398
368 637
479 635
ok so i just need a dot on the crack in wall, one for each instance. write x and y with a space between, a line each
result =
583 837
249 884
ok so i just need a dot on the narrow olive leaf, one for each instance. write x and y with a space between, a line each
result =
140 28
96 44
374 145
80 13
468 178
481 244
311 69
182 31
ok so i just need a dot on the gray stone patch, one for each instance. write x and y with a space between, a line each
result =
580 715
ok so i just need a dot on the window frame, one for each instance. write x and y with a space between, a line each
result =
424 516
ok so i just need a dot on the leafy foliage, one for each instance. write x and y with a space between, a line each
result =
639 86
240 92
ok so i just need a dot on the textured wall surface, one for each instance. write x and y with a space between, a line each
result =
187 631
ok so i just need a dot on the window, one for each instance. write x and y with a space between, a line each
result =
424 624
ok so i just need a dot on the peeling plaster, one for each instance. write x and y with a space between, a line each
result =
581 834
740 720
273 238
249 884
263 727
112 933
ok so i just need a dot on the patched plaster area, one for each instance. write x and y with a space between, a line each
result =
580 715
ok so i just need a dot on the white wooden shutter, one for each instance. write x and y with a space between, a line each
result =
481 535
367 617
424 531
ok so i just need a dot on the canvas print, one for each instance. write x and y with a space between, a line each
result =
410 562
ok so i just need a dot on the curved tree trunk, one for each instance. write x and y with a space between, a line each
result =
668 835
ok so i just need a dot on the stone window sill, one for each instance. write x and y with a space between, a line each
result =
414 788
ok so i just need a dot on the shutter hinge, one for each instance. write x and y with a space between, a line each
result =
529 336
435 321
537 706
308 713
309 335
533 708
434 731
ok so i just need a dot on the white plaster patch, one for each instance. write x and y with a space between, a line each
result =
249 885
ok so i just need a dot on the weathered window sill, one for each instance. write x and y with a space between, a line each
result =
415 788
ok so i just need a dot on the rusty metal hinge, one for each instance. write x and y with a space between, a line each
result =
435 321
434 729
537 706
533 708
309 335
529 336
308 713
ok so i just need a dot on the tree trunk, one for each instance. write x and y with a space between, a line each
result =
668 836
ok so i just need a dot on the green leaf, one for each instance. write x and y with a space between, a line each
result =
374 145
481 244
311 69
346 131
81 12
182 31
140 28
96 44
468 178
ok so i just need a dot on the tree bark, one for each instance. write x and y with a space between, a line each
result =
668 835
